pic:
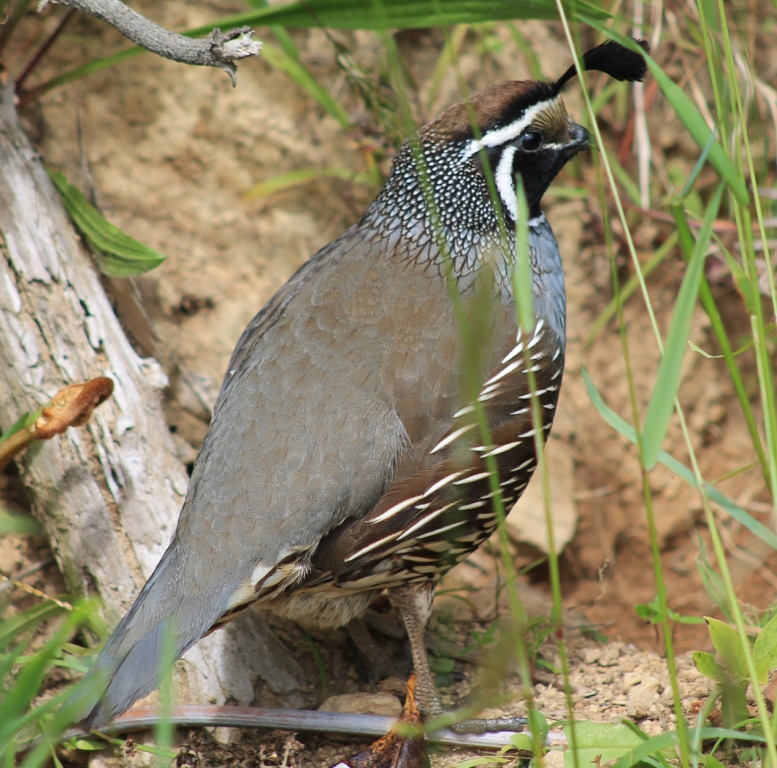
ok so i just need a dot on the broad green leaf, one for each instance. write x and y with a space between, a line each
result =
733 705
662 400
523 742
118 254
605 741
666 741
671 463
539 725
727 644
708 665
686 110
765 650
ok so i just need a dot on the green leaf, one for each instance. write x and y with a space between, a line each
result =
733 705
662 400
671 463
649 612
539 724
765 650
727 644
666 741
90 746
606 741
708 665
118 254
522 742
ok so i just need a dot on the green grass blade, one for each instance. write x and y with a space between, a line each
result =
662 400
671 463
302 176
28 619
410 14
79 72
522 273
21 525
118 254
296 70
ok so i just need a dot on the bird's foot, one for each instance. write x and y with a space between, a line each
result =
489 724
435 713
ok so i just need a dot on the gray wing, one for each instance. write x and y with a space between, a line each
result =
330 386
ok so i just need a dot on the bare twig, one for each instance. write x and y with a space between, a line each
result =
44 49
218 49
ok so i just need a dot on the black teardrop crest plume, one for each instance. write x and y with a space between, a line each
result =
613 59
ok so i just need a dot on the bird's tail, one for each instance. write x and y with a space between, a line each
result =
168 617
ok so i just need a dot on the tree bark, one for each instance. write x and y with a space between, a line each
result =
109 494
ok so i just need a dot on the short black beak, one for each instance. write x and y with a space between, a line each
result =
579 139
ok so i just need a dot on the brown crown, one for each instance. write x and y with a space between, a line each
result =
496 106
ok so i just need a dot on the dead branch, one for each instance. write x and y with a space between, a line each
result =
218 49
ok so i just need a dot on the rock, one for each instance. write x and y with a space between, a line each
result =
590 655
630 679
364 704
553 759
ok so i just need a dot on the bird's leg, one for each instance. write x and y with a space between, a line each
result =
413 602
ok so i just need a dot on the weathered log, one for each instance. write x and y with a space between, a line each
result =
108 494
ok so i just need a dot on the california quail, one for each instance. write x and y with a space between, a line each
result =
345 455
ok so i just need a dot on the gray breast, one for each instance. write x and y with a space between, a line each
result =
548 286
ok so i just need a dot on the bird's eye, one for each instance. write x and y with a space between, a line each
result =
531 141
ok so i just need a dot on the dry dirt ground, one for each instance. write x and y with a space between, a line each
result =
169 153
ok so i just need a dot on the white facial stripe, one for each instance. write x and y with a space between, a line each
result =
505 183
508 132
